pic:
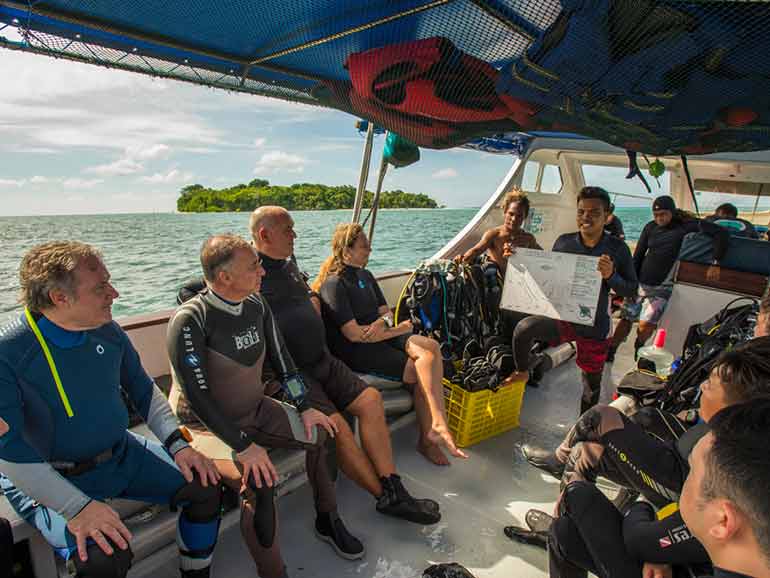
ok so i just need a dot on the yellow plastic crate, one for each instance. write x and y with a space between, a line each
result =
476 416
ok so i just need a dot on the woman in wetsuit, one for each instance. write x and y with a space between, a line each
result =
361 332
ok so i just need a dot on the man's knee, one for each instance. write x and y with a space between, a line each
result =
578 498
594 423
100 565
368 402
201 504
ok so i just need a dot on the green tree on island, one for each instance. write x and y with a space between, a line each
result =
299 196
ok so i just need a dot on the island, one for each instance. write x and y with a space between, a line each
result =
297 197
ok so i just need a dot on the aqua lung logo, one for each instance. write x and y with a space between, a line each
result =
361 284
100 349
247 339
192 360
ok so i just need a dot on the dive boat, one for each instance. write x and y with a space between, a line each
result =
445 74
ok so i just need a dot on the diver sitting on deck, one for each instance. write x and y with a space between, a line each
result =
515 207
621 451
63 365
655 255
333 386
724 499
617 271
217 344
361 332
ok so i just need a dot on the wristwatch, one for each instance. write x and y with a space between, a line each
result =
388 319
178 440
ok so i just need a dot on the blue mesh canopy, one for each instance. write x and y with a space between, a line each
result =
654 76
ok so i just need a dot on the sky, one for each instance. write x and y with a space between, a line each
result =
76 139
79 139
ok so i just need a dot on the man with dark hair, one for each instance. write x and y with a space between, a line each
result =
726 211
616 269
725 497
515 207
604 442
655 254
726 216
63 365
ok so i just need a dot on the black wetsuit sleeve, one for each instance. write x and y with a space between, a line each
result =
186 343
720 235
624 280
335 295
666 541
641 248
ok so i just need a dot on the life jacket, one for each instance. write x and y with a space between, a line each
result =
429 78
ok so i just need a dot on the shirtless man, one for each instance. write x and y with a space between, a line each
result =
515 212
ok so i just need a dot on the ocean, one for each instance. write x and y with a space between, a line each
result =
151 255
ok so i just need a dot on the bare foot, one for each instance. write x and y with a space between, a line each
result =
432 453
517 376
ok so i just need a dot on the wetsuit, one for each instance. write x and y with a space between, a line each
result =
217 349
331 383
355 294
591 340
615 228
54 465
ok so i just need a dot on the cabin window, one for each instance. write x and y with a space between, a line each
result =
541 178
613 180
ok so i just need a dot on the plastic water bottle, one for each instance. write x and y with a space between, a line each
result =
658 355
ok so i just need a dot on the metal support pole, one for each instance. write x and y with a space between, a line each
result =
376 199
364 176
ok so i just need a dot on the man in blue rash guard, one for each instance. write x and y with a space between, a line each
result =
63 364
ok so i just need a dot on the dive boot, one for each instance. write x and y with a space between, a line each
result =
526 536
395 501
330 529
543 460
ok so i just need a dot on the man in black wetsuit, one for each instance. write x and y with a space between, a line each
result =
217 343
725 498
589 533
617 271
654 257
726 215
332 385
614 226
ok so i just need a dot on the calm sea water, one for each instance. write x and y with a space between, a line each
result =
151 255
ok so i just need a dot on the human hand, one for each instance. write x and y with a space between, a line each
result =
606 266
712 273
98 521
256 463
406 326
3 427
439 434
509 249
312 417
650 570
190 460
375 331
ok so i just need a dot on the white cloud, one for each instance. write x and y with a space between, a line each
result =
124 166
331 147
76 183
259 142
156 151
75 198
38 180
12 182
280 161
174 176
448 173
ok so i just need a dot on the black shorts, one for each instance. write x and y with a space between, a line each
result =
385 358
331 384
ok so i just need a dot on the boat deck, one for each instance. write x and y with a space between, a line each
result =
493 488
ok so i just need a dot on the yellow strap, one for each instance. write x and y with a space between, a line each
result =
666 511
51 364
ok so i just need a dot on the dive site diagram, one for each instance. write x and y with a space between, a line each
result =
557 285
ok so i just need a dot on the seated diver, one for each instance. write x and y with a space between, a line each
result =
589 534
494 247
724 499
217 343
617 271
63 365
361 332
